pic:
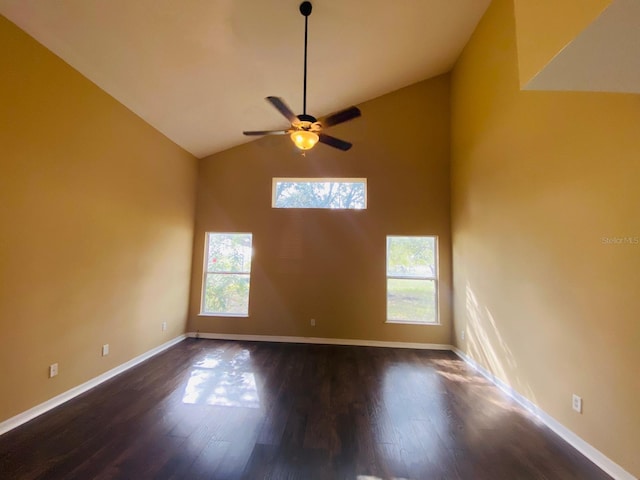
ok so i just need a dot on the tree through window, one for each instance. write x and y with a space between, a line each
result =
412 276
227 272
330 193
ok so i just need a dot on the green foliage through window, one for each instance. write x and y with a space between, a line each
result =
344 193
411 279
227 274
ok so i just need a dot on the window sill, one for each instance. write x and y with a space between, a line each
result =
409 322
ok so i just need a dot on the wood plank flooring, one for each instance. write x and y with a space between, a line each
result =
208 409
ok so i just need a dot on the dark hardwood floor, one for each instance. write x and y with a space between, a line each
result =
243 410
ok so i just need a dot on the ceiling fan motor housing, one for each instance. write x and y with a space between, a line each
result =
307 118
308 123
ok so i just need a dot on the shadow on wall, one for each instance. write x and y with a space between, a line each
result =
487 346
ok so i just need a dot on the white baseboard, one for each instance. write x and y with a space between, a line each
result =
589 451
24 417
319 340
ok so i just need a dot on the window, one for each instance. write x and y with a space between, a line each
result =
412 280
227 270
331 193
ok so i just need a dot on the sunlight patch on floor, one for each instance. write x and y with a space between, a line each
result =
222 381
370 477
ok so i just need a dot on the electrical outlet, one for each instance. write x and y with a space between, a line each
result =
462 335
53 370
164 326
312 322
105 349
576 403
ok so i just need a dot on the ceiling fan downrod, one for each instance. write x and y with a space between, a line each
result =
305 10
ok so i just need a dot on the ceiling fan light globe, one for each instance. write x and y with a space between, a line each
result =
304 140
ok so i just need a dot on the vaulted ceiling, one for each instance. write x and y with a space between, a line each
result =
198 70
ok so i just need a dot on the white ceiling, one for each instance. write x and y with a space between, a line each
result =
198 70
603 58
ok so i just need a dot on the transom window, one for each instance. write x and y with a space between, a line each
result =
227 272
331 193
412 280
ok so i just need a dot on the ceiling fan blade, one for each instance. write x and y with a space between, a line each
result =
340 117
266 132
283 108
334 142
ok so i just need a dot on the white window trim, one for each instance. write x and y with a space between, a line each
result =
434 278
205 273
275 180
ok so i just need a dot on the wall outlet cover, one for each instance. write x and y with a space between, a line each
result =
576 403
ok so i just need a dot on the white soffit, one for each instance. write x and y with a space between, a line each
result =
605 57
198 70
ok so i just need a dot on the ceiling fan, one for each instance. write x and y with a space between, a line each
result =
306 130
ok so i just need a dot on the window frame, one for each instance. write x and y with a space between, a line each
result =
434 278
275 181
206 273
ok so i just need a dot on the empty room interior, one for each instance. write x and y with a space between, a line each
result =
431 270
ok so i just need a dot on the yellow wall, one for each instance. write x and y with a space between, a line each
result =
97 208
96 219
540 182
330 265
545 27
